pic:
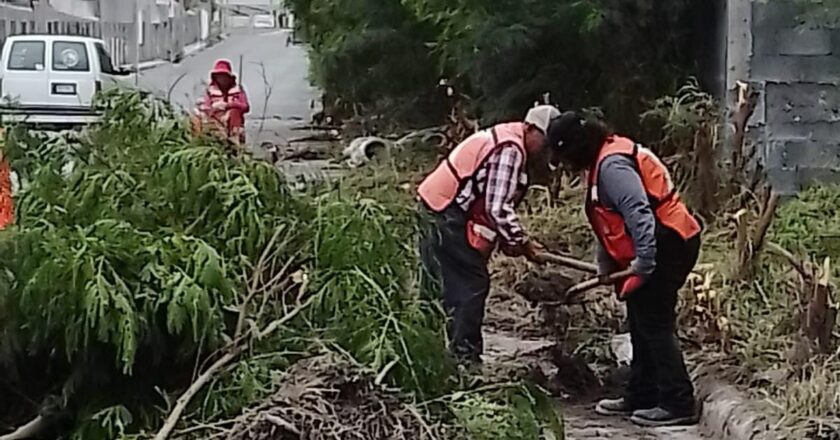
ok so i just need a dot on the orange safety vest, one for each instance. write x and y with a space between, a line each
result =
440 188
668 209
7 211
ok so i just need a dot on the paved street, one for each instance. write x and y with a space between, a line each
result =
273 74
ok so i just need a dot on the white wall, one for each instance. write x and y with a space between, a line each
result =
88 9
123 11
257 3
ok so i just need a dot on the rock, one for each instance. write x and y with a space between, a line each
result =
622 348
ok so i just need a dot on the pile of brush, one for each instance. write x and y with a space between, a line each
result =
326 397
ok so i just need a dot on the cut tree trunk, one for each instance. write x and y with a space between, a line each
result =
821 316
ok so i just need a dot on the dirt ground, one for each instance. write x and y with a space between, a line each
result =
521 335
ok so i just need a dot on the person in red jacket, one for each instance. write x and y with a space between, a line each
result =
645 232
225 103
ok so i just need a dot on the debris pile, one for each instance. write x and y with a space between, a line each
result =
326 397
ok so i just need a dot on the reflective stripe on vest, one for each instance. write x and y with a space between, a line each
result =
668 209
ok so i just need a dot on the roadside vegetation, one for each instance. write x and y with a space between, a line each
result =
154 286
158 267
384 60
158 286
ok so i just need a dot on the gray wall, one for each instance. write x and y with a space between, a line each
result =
795 63
163 40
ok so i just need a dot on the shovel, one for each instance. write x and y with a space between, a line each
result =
592 283
590 268
569 262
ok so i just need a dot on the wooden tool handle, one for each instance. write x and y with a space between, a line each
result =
598 282
569 262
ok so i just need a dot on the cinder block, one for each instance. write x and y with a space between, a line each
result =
765 41
804 42
806 177
759 116
775 155
791 69
784 181
817 131
802 154
776 14
792 103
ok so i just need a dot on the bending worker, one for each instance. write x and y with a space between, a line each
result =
644 229
471 198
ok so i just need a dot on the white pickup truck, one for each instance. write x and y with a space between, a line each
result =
52 79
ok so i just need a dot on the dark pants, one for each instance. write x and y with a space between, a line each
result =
463 278
659 375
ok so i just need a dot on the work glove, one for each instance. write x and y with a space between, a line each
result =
639 273
628 286
531 250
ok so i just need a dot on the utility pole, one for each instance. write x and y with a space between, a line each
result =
138 21
222 18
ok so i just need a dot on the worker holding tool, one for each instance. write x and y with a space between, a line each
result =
648 242
470 201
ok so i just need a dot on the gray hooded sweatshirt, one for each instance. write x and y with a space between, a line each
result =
620 189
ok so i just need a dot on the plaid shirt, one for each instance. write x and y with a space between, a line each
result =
500 177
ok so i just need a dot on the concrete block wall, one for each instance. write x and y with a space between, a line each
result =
795 64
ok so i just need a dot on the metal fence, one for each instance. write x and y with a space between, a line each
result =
165 40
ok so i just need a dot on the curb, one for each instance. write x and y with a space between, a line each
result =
727 413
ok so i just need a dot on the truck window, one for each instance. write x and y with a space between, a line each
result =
104 59
27 55
70 57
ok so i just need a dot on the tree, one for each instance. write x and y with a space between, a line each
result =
504 54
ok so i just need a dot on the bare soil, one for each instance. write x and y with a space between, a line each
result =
531 329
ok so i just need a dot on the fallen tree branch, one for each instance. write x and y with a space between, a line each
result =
329 136
786 254
282 423
767 214
30 430
232 353
749 245
255 279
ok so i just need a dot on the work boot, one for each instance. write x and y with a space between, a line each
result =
656 417
616 407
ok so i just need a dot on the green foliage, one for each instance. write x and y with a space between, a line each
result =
503 54
509 413
366 276
369 57
145 236
112 423
135 244
811 223
676 119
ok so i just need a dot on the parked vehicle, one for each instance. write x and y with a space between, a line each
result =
52 79
263 21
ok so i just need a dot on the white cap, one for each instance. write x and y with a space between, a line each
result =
541 116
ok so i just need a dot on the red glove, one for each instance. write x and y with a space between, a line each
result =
627 286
